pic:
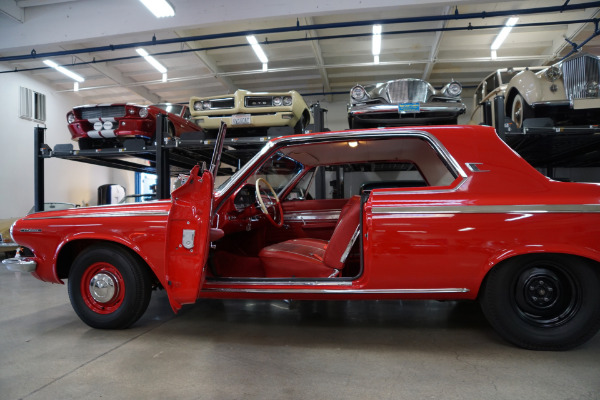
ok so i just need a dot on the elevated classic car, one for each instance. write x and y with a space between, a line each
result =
566 92
251 114
438 212
107 125
404 102
493 85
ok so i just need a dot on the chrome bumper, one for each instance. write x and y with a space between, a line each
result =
451 108
20 264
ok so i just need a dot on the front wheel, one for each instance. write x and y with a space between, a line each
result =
108 287
543 302
520 111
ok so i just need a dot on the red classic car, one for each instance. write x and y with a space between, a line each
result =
446 213
107 125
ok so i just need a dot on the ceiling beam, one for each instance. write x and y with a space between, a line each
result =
210 64
120 79
318 56
12 10
435 47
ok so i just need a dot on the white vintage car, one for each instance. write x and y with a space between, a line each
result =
493 85
566 92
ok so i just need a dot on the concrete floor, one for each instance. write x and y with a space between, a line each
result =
267 350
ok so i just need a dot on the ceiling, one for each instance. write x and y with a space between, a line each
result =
319 48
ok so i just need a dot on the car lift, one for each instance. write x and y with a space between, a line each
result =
544 145
166 157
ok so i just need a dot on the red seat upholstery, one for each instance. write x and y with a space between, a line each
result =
313 258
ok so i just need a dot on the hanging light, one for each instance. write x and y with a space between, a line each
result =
65 71
152 61
160 8
376 43
258 51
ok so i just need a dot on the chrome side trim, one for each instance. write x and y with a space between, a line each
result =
341 291
302 216
102 215
425 190
492 209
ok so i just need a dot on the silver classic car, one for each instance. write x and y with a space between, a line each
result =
404 102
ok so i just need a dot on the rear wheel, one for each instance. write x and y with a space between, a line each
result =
108 287
543 302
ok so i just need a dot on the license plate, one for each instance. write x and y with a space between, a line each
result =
240 119
409 108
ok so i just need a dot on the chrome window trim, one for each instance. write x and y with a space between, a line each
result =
341 136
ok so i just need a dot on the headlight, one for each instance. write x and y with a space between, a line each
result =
454 89
358 92
206 105
70 118
197 105
553 73
287 101
143 113
277 101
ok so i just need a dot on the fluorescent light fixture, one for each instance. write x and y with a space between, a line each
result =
159 67
160 8
164 77
494 54
63 70
265 67
257 49
76 86
376 59
376 40
504 33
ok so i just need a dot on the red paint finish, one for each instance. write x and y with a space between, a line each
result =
435 242
125 121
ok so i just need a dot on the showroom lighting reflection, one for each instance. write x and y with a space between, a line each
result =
152 61
376 43
160 8
504 33
258 51
65 71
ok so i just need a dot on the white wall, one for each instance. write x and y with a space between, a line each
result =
65 181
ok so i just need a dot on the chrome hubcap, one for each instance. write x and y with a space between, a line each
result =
102 287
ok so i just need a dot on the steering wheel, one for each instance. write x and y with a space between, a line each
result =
272 201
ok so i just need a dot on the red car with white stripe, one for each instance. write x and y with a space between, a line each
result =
107 125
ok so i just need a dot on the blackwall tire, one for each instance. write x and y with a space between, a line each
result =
543 302
108 287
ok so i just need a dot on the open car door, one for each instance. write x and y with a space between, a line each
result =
189 232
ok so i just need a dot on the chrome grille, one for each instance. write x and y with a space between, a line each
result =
581 73
102 112
222 103
408 90
259 101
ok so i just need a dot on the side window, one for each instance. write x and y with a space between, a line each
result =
369 164
346 180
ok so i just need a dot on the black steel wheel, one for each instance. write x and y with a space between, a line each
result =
543 302
108 287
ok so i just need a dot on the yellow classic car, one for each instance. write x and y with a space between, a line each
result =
251 112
